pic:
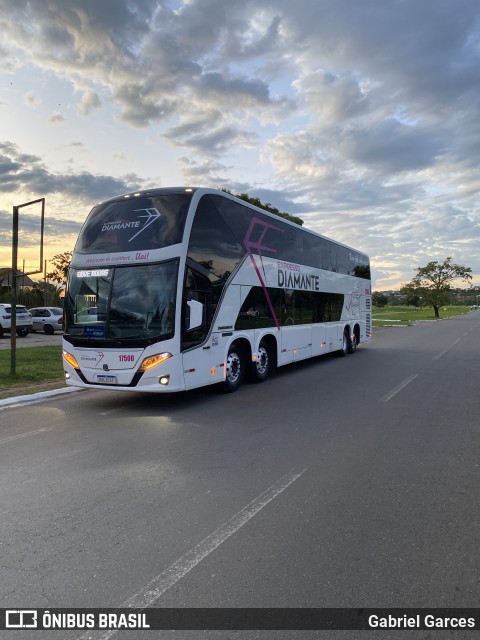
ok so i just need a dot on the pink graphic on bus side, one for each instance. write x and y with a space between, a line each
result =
259 247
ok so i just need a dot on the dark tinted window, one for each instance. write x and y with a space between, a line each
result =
270 237
256 311
292 245
291 307
134 223
343 261
212 244
254 231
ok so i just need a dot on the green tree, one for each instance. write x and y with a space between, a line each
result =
433 282
379 299
61 264
412 295
267 207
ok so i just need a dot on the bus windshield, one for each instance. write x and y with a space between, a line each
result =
135 302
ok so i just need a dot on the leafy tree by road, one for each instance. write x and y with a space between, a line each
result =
433 282
61 263
379 299
267 206
412 296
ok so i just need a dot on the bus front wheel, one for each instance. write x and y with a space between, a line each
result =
234 369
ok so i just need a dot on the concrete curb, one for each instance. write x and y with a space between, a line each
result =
36 397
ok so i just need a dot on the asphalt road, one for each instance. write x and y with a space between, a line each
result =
340 482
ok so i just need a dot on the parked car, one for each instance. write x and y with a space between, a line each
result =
47 319
23 321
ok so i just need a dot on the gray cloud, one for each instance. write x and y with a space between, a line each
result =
392 146
23 172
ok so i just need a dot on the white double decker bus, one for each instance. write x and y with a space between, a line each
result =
172 289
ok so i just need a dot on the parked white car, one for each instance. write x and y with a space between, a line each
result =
23 321
47 319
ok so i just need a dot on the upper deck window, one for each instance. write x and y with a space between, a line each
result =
147 222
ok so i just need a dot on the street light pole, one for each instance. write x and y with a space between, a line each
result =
13 315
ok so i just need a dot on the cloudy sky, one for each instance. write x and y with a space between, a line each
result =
360 116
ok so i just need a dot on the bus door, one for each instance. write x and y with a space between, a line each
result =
199 364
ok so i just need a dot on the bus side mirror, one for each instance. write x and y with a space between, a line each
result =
195 318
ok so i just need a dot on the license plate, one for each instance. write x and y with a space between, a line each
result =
106 379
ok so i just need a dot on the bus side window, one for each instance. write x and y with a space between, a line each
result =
194 315
198 292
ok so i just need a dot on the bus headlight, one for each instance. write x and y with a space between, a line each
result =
72 361
153 361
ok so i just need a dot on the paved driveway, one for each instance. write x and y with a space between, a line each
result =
36 339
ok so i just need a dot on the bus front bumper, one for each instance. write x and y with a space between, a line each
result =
164 377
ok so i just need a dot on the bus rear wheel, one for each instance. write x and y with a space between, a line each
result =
234 369
345 349
263 365
352 343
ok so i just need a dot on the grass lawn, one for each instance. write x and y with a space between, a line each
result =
35 366
398 315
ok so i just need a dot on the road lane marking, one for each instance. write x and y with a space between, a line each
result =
25 435
398 388
442 353
179 569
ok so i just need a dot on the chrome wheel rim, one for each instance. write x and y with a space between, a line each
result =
262 361
234 368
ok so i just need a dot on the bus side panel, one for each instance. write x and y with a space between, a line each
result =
318 340
296 343
200 366
333 336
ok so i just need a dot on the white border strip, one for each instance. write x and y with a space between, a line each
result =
442 353
397 389
25 435
35 397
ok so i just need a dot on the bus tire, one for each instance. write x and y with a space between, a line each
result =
264 365
345 349
234 369
352 343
